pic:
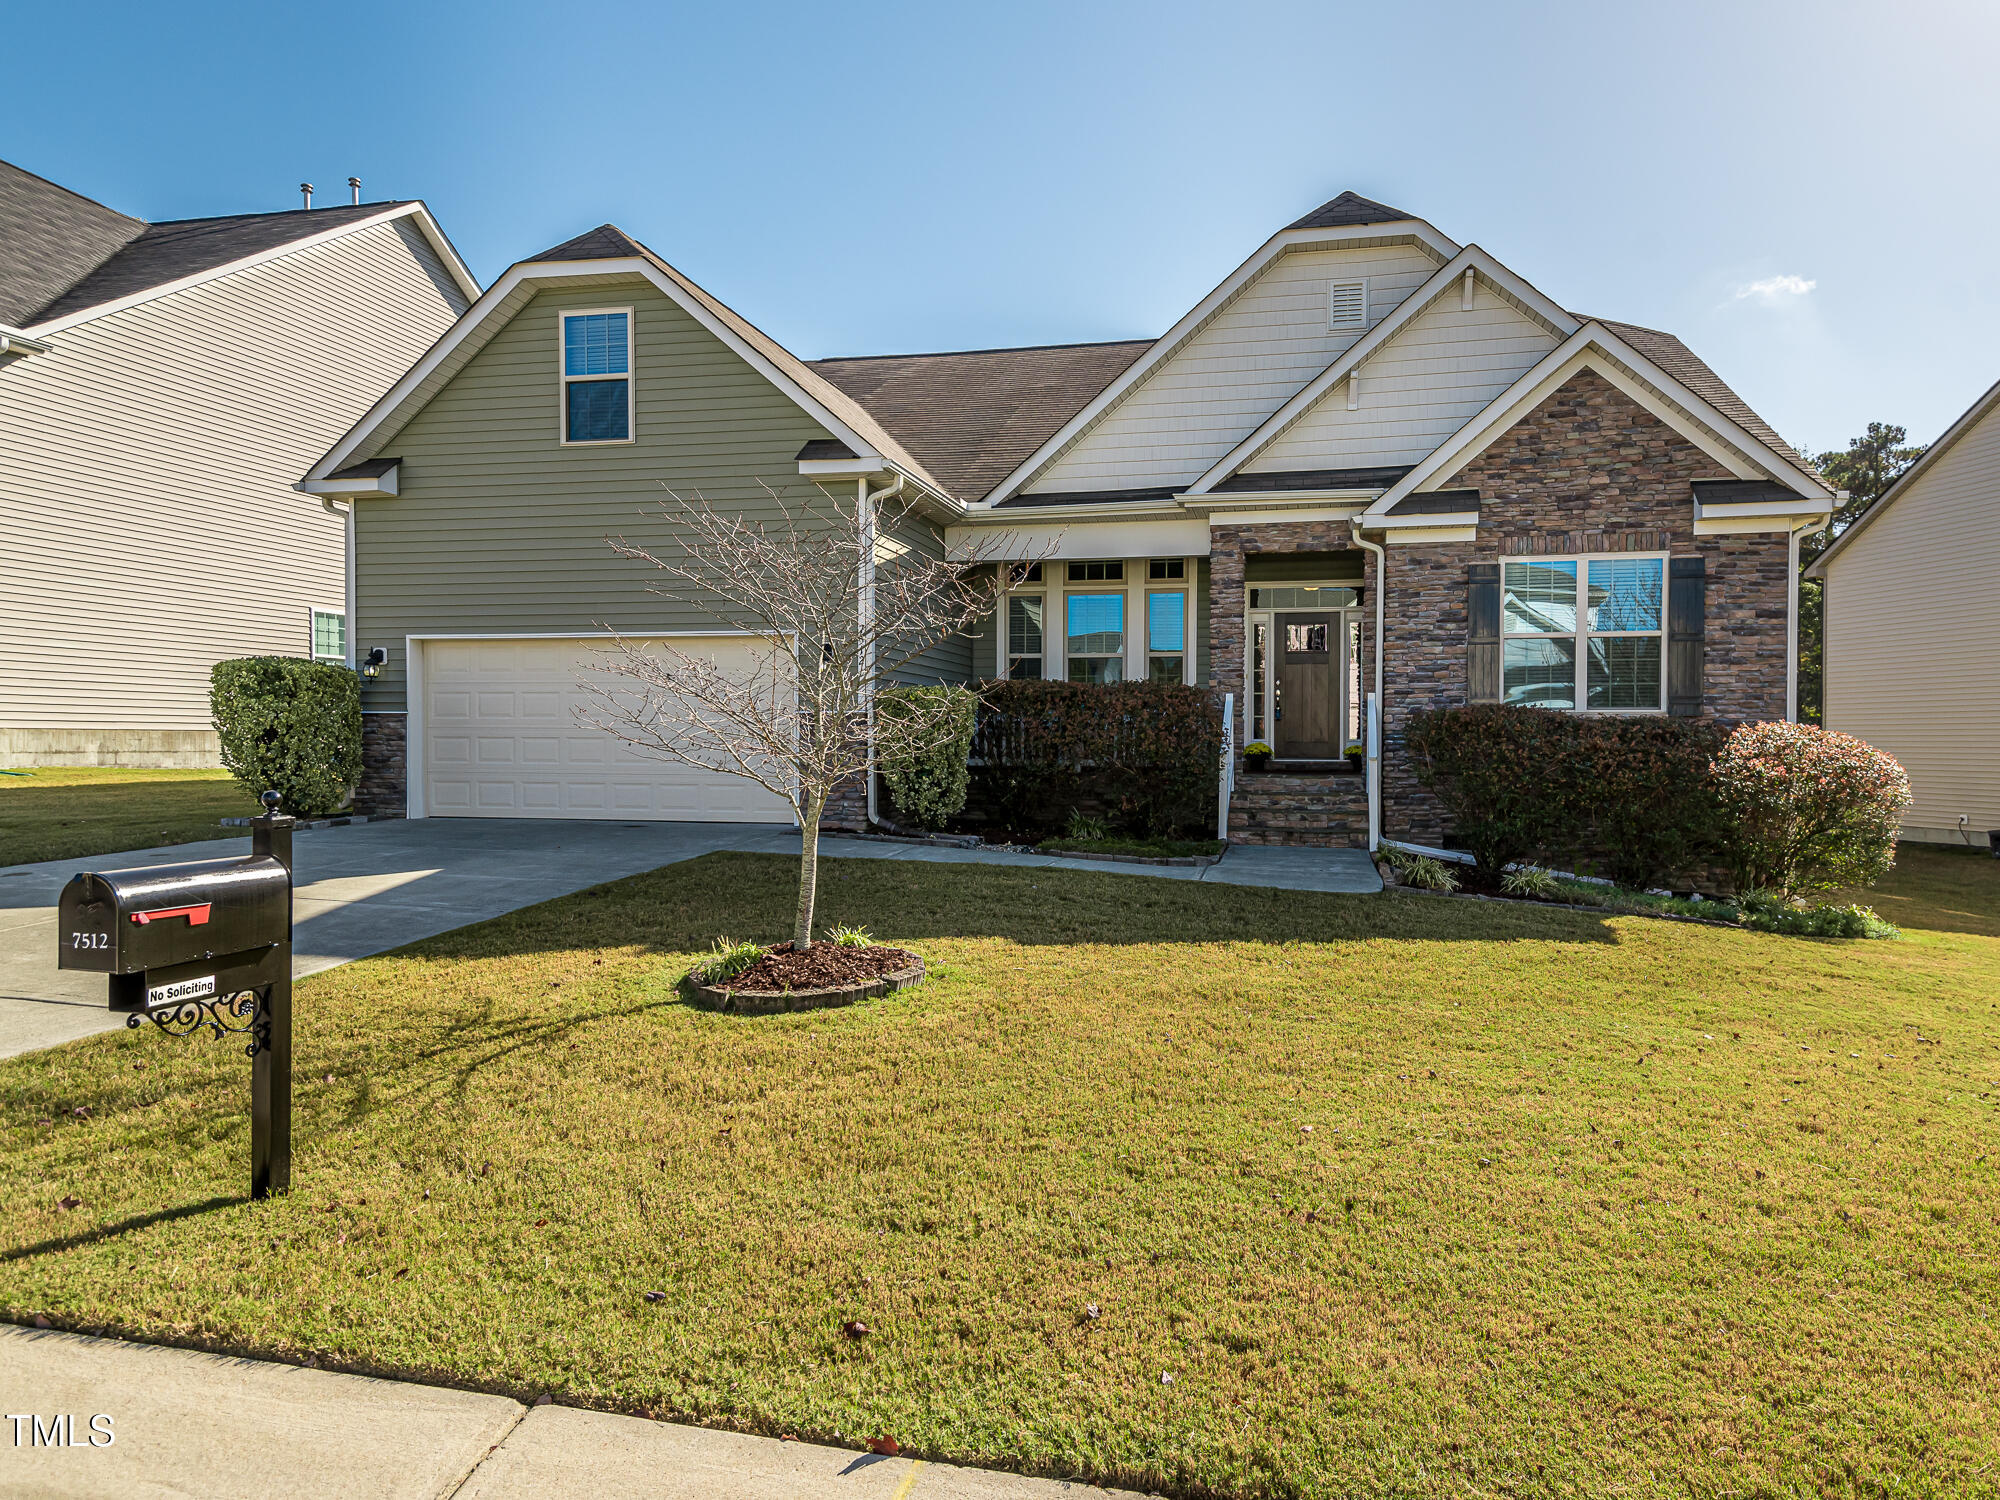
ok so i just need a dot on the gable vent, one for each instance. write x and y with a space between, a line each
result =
1347 306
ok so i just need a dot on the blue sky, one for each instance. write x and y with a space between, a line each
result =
1803 191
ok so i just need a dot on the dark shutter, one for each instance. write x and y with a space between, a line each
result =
1482 637
1687 605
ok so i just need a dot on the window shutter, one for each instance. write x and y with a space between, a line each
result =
1482 641
1687 607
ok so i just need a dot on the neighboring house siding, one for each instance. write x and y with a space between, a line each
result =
146 471
1433 377
1587 471
1931 698
1252 357
499 529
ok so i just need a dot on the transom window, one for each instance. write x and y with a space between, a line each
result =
329 635
1304 596
597 376
1096 631
1167 567
1584 632
1097 572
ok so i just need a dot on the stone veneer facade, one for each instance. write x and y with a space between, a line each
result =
385 784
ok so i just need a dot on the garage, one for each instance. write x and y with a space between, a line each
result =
500 739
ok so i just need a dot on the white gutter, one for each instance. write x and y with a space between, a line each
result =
13 341
1381 709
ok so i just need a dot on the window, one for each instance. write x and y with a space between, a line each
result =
1347 306
1305 596
1097 572
1096 633
1605 655
597 377
1166 637
329 635
1024 635
1167 567
1020 573
1259 637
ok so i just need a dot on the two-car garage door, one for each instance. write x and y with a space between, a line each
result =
501 739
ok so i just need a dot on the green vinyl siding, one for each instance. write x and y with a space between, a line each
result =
950 660
500 529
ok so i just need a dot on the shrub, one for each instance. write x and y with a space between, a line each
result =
1530 881
1419 871
291 726
1768 912
1491 765
1150 752
1084 829
1807 809
924 736
1645 795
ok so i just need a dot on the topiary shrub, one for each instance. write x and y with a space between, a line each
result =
291 726
924 739
1807 809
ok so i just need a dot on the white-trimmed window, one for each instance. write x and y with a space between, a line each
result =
329 635
1095 630
1024 646
596 365
1585 633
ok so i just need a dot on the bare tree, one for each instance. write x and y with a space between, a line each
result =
838 606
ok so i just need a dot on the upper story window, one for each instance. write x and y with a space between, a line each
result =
1584 632
597 376
329 635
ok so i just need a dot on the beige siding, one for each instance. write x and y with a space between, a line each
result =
1431 379
1252 357
146 464
499 529
1913 636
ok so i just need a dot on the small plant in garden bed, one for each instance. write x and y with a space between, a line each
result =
1536 884
1084 829
725 961
1419 871
852 937
1150 848
1768 912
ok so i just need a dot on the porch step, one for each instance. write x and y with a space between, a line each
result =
1323 810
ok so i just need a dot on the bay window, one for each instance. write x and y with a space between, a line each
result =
1584 632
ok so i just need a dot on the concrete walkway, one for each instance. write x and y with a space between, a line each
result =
370 887
183 1423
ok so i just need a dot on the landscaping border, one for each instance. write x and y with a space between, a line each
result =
778 1002
1182 861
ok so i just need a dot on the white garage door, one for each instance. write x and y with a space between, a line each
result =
501 740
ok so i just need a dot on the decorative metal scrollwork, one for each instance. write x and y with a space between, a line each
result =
240 1014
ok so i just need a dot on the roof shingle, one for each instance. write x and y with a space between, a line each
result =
1349 209
51 238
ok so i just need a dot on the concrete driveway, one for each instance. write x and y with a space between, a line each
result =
366 888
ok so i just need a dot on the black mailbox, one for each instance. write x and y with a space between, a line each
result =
129 921
205 945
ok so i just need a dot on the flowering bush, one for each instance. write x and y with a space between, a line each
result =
1806 809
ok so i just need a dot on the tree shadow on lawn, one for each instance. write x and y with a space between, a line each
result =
684 908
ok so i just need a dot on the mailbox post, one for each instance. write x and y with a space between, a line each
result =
205 945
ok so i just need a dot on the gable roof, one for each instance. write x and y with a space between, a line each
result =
1349 209
62 255
1970 418
51 238
972 415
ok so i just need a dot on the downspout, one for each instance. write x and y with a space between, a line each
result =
1375 740
347 625
864 518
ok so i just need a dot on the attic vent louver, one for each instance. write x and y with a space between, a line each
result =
1347 306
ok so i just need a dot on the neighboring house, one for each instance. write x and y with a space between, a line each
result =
1933 704
161 388
1367 432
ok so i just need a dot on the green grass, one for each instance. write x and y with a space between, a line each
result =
1152 848
1408 1196
62 812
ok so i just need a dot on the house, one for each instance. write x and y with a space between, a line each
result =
1933 704
1366 433
161 388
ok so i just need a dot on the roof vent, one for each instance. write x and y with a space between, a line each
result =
1347 306
306 192
354 190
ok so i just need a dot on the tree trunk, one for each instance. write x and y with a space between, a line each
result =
802 921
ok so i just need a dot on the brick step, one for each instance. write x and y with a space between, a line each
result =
1316 811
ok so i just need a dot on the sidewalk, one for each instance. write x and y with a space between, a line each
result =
189 1424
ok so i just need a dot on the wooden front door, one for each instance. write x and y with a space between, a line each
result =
1308 653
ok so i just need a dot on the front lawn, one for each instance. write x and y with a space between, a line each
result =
1203 1188
67 812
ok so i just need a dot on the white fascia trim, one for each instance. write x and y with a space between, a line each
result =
1169 342
1574 354
844 468
1732 520
382 484
1043 514
631 265
417 211
13 341
1424 521
1417 536
1970 418
1273 516
1510 286
1279 500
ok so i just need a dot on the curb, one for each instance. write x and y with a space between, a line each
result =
1179 861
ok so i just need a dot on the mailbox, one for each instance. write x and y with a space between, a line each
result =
129 921
205 945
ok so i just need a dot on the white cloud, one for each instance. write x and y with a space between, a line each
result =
1775 289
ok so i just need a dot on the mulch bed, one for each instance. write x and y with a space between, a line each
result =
820 966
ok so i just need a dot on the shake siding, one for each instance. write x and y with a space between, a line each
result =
1251 358
500 529
1913 637
1435 376
146 466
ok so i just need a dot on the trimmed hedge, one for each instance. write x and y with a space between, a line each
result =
291 726
1807 809
924 736
1149 753
1525 783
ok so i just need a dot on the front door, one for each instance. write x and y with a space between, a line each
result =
1306 727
